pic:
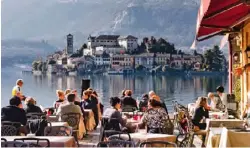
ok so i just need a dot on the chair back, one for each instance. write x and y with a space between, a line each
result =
157 144
35 142
31 116
116 143
58 131
111 124
10 128
13 144
72 119
116 135
187 141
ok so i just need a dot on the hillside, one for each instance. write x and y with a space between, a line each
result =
53 19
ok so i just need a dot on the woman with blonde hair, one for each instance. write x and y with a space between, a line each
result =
201 112
31 106
67 91
61 98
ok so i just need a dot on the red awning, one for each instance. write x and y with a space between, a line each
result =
217 16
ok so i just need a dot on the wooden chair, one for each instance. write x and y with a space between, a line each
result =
73 120
31 116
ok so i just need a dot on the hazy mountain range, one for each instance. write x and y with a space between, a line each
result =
52 20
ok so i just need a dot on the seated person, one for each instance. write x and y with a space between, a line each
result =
128 101
114 113
153 117
31 106
216 103
68 107
61 98
77 99
14 112
67 91
222 95
151 94
143 105
201 112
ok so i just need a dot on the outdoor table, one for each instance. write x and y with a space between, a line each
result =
59 124
217 115
82 129
213 137
144 137
231 138
229 123
90 120
55 141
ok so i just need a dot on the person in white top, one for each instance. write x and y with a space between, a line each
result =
222 95
216 103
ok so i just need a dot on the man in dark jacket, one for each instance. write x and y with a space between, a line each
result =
128 101
14 112
31 106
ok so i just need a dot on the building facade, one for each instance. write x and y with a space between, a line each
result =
109 50
122 61
102 60
146 59
128 42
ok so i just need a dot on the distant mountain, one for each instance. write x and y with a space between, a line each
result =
52 20
21 51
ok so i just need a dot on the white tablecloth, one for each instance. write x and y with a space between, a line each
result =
218 115
143 137
234 139
213 137
229 123
59 124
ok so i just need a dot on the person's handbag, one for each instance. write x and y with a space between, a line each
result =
167 126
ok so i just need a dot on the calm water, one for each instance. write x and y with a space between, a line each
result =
43 88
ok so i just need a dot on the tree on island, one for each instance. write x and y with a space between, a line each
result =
214 59
161 46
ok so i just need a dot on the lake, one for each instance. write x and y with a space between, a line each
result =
43 88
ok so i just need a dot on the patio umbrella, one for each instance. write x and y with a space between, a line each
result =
220 16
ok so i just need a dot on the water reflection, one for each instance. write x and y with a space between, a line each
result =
184 89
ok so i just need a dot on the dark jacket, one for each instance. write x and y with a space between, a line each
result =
91 104
33 109
143 104
199 114
13 114
129 101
